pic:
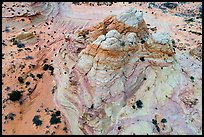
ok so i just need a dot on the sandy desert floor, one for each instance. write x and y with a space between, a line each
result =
42 29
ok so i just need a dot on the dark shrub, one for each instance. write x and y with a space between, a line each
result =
39 76
11 116
37 121
139 104
15 95
20 79
164 120
27 83
54 119
142 58
51 68
45 67
57 113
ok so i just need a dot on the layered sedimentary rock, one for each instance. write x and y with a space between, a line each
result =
117 78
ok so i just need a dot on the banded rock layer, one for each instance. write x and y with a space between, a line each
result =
116 78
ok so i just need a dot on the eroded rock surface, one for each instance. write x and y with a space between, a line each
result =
111 69
112 65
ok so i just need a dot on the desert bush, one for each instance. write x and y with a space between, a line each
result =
15 95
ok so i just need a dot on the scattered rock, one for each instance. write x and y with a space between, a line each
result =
30 90
7 88
20 45
197 52
21 101
28 57
6 29
163 9
38 110
65 129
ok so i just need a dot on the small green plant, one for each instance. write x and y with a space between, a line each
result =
45 67
54 119
39 76
20 79
139 104
164 120
37 121
192 78
15 95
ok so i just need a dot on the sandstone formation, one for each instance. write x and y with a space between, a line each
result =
116 63
102 68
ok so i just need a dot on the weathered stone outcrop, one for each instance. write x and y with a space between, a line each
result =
114 64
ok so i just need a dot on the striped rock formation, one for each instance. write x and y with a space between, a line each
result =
117 78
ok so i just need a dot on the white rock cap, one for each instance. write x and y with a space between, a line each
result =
161 37
131 17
